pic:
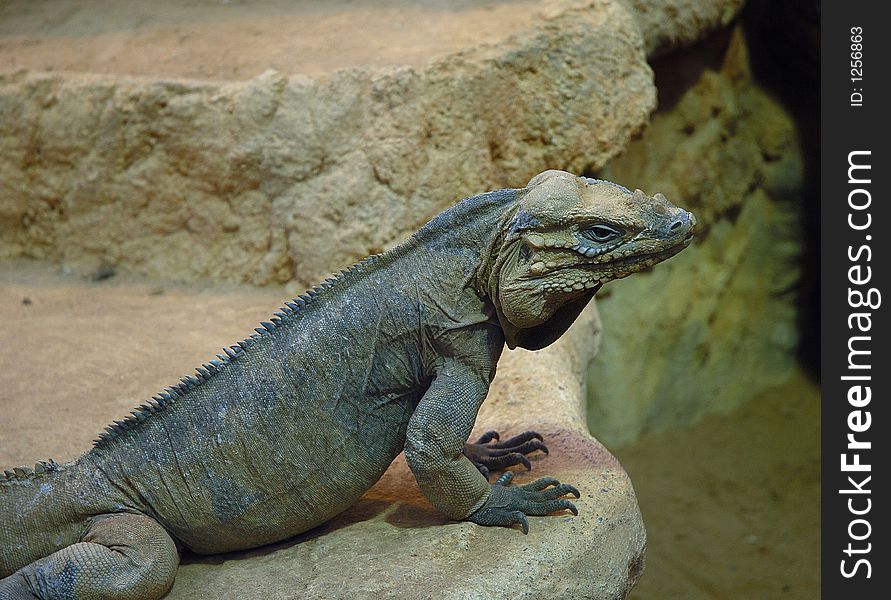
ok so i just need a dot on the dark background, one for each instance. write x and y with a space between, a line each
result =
845 129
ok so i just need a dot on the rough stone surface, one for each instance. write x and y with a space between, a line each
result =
713 327
670 24
732 503
392 544
239 180
282 178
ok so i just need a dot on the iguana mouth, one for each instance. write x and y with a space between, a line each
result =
655 256
632 260
599 264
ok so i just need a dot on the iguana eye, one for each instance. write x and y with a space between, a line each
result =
602 233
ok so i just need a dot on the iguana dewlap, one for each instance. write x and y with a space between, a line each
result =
291 426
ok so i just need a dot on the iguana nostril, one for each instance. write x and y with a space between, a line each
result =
676 225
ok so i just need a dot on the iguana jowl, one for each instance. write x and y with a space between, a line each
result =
291 426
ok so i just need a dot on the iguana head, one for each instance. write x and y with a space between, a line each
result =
569 236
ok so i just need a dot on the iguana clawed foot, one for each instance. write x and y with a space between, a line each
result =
494 457
508 506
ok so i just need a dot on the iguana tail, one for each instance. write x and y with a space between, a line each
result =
33 519
64 533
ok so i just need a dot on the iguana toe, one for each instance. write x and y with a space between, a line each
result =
508 506
482 469
517 440
488 437
501 455
507 518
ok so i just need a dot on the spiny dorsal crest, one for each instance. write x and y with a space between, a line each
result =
41 468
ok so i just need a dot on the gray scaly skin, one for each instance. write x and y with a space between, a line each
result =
291 426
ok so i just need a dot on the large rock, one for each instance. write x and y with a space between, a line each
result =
392 544
288 177
191 171
716 325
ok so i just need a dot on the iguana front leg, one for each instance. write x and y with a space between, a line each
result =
435 440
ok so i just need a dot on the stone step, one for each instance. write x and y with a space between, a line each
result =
194 142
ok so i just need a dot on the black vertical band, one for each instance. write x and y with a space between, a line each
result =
855 229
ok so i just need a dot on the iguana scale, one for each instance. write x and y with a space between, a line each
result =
292 425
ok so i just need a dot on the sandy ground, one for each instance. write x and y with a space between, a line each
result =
731 504
75 354
240 40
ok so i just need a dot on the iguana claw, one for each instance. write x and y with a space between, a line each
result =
508 506
501 455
